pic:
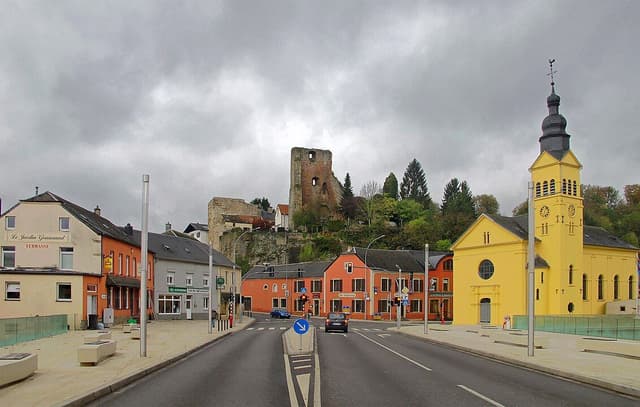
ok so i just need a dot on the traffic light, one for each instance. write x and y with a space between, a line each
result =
396 300
303 298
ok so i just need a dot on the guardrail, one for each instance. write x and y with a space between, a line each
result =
16 330
604 326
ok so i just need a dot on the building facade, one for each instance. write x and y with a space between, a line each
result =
578 268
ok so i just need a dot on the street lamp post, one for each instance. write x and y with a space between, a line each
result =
366 269
398 307
427 284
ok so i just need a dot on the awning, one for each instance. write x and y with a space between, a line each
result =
122 281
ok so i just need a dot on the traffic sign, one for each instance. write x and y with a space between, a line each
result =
303 290
405 290
301 326
405 302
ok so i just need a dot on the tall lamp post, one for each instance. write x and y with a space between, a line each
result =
427 284
398 307
366 269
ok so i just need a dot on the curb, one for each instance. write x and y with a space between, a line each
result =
617 388
100 392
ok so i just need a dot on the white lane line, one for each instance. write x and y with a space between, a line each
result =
300 360
485 398
301 367
356 329
420 365
250 329
272 328
260 329
282 328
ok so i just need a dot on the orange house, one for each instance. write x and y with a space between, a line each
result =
281 286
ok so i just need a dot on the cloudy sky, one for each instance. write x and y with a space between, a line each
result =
209 97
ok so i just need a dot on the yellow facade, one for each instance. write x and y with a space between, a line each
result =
578 269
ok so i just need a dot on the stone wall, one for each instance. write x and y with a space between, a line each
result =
226 206
313 186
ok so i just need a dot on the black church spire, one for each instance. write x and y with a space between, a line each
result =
554 138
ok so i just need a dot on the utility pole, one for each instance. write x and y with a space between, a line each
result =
399 306
531 258
144 236
426 288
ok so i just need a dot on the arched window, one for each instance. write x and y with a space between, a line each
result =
600 287
575 188
537 189
584 287
552 187
630 287
616 287
274 288
564 186
545 188
485 271
569 187
314 181
570 274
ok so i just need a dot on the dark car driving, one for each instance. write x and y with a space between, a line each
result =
280 313
336 321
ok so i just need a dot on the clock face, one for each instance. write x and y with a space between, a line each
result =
572 211
544 211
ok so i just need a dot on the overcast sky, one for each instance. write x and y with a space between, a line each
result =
208 98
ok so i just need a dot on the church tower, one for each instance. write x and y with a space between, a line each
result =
558 209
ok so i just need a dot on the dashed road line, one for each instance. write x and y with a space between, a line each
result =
420 365
483 397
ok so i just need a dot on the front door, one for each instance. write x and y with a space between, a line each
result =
316 307
485 311
187 306
92 305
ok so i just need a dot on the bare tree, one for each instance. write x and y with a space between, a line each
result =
369 191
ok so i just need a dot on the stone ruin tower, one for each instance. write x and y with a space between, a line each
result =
313 186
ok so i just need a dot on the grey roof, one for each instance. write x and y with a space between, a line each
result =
407 260
97 223
196 226
188 250
308 269
593 235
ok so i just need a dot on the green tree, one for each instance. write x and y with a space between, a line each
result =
369 191
348 205
262 203
408 210
390 186
486 204
414 184
521 209
306 219
458 211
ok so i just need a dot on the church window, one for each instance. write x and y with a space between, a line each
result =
630 287
314 181
570 274
552 187
486 269
537 294
569 187
545 188
584 287
600 287
575 189
616 287
564 186
542 277
537 189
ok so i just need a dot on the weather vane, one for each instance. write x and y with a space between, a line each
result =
551 72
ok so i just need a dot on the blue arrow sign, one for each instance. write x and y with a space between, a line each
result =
301 326
303 290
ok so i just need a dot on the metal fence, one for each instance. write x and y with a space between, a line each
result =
16 330
605 326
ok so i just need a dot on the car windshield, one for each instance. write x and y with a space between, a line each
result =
336 316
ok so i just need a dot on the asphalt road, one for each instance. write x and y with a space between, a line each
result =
372 367
369 366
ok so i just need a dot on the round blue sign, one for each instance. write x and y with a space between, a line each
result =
301 326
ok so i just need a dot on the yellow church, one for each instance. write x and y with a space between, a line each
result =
578 268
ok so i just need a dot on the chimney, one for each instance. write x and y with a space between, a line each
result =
97 210
128 229
167 227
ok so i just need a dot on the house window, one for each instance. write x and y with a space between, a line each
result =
336 306
205 281
171 278
12 291
274 303
616 287
433 284
336 285
299 285
265 287
448 265
66 258
169 304
63 223
283 303
584 287
357 306
417 285
8 256
384 306
316 286
445 284
600 287
126 297
274 287
120 264
126 264
434 307
92 288
135 267
205 303
63 292
485 270
385 285
189 280
357 284
10 222
416 306
348 267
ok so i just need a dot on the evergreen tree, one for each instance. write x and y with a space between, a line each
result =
414 184
458 210
348 205
262 203
390 186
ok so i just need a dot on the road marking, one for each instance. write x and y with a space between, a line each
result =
272 328
260 329
301 367
485 398
300 360
282 328
356 329
383 335
420 365
250 329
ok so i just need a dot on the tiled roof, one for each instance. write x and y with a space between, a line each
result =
97 223
284 209
308 269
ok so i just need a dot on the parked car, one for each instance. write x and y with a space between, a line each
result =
280 313
336 321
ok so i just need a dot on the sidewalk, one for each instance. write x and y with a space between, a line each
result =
61 381
561 358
